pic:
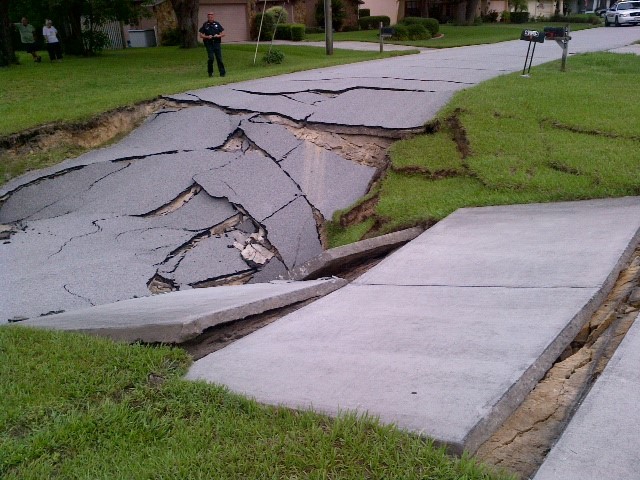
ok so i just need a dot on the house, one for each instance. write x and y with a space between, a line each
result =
445 10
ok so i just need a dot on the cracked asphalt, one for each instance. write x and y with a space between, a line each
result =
189 197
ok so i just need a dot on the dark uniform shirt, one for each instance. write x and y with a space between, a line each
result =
211 28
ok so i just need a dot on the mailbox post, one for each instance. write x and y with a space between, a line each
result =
562 37
531 36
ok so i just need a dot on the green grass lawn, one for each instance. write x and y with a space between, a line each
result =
85 408
452 36
551 137
79 88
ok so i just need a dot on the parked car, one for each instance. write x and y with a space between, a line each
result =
623 13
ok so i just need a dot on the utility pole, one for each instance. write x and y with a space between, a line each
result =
328 27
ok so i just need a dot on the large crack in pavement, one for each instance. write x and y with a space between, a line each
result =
524 439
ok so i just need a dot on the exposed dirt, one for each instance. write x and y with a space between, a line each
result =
524 440
89 134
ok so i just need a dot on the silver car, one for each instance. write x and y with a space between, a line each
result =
623 13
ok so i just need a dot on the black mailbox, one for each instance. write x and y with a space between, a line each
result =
532 36
554 32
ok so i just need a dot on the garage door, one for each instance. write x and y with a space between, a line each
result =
232 16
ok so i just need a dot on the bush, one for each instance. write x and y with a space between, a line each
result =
490 17
272 57
373 23
418 32
401 32
313 29
170 37
338 13
268 26
519 17
364 12
283 32
506 16
297 32
280 15
431 24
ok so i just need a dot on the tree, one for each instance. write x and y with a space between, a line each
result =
187 15
77 20
7 55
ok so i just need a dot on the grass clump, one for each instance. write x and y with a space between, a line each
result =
80 407
551 137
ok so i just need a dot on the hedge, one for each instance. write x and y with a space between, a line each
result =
431 24
364 12
373 23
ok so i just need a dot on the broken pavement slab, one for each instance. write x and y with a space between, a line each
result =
180 316
601 440
445 336
336 259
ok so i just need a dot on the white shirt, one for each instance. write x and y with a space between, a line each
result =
50 34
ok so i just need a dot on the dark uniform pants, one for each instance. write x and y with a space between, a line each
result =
214 51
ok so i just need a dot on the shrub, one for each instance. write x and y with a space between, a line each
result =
170 37
273 56
364 12
279 14
297 32
314 29
506 16
401 32
283 31
268 26
431 24
418 32
490 17
338 13
519 17
373 23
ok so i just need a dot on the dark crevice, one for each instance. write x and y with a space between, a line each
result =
282 207
456 82
41 179
459 133
563 168
66 287
585 131
194 188
94 223
333 92
426 173
242 276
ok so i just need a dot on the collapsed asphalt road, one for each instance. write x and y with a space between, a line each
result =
230 190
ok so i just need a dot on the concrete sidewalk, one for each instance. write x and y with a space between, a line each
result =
447 335
601 441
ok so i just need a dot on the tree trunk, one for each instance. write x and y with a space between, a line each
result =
7 55
470 14
187 15
461 13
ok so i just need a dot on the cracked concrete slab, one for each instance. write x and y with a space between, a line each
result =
211 258
601 440
328 181
513 241
30 202
273 270
292 230
180 316
253 181
274 139
232 98
393 110
195 128
444 337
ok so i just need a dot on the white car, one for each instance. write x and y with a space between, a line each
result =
623 13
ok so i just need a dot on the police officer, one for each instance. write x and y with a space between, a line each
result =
211 33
